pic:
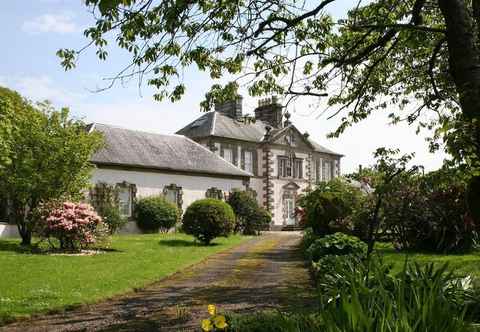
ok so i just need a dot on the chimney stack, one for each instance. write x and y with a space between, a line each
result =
231 108
269 110
287 121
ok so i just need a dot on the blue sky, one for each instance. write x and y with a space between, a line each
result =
33 30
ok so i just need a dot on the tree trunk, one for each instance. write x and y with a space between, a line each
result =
26 238
19 216
373 227
464 63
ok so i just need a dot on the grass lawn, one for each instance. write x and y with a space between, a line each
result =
34 283
463 264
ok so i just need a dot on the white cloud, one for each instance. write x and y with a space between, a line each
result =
40 88
57 23
138 113
360 141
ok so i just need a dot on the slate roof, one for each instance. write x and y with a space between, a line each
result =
125 147
220 125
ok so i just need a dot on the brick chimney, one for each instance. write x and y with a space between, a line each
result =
269 110
231 108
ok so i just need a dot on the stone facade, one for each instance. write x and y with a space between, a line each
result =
286 162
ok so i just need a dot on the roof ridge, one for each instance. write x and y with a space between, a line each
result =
133 130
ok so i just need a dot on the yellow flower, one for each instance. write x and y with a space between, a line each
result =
207 325
219 322
212 310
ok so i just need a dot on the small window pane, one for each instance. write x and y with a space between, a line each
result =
248 161
228 155
327 171
317 171
171 196
125 202
297 170
281 167
288 168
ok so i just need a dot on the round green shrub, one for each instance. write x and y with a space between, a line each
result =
337 244
154 213
250 218
207 219
259 221
244 205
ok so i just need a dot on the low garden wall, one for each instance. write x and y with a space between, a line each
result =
7 230
130 228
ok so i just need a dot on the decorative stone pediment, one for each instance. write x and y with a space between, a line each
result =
292 137
291 186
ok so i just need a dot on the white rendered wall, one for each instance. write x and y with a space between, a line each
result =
152 183
257 185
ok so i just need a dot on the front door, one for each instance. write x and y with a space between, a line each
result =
290 210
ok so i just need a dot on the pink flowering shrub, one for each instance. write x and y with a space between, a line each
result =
74 225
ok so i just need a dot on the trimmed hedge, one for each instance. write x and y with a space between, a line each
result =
207 219
155 213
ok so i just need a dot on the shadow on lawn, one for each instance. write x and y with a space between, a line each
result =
183 243
14 246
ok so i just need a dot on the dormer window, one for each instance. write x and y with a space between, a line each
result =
248 161
228 155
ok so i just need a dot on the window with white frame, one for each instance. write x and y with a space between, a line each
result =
174 195
327 171
298 168
290 167
228 155
171 195
318 170
125 200
248 161
284 167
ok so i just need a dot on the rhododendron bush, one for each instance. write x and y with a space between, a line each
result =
74 225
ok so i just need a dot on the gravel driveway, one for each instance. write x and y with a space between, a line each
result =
264 273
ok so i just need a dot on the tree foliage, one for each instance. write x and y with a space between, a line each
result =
327 207
44 155
414 55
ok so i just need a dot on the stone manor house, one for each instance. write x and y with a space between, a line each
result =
283 162
219 152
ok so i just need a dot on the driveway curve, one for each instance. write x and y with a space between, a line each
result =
266 272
